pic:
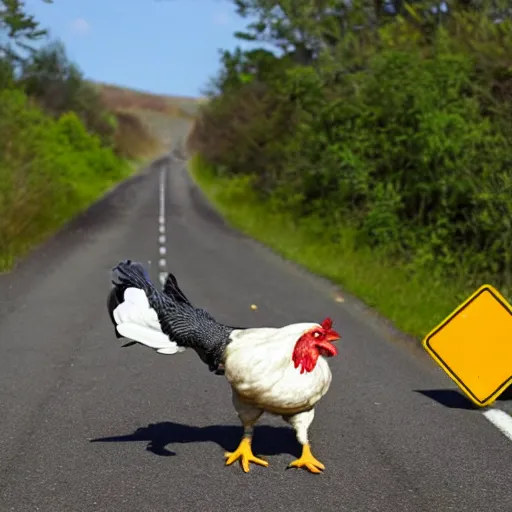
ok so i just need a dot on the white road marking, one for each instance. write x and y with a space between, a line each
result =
162 196
501 420
162 276
162 239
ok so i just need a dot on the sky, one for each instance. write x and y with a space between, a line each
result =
160 46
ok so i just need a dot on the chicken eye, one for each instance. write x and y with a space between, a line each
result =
316 334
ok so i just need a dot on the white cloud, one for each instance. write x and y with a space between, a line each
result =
221 18
80 27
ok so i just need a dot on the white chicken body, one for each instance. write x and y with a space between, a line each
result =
259 366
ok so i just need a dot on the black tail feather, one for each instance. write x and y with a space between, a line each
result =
171 289
186 325
129 274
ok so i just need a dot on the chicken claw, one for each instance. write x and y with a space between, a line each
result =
307 461
244 452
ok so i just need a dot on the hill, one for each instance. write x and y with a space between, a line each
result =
167 118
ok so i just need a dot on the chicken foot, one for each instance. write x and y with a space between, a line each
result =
301 423
244 453
248 415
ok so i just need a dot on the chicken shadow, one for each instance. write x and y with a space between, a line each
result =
455 399
268 440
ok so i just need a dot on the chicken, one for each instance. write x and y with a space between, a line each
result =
281 371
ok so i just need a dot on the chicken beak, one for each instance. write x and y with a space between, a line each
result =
332 336
327 349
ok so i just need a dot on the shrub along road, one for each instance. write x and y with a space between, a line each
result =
393 432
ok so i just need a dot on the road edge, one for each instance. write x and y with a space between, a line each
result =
45 256
355 306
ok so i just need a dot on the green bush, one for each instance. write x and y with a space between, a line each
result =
423 170
403 151
49 171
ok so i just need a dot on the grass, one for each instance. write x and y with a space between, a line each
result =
414 304
25 228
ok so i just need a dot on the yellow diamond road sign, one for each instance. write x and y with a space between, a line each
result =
474 345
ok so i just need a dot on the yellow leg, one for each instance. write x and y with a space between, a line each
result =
244 453
307 461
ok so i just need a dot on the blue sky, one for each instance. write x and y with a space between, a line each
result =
162 46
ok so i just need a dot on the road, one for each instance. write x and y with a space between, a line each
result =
88 426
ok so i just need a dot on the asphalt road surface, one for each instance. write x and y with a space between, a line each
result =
88 426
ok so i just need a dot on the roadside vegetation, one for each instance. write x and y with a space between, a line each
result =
371 144
63 140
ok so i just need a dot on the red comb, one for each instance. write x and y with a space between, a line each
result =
327 324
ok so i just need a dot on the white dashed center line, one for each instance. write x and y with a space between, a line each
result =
501 420
161 229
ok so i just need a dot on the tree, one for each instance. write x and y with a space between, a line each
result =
304 29
17 29
59 86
